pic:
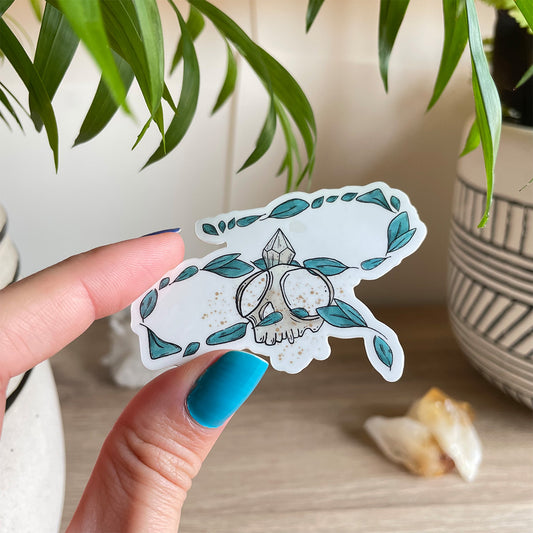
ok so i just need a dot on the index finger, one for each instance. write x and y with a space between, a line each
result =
43 313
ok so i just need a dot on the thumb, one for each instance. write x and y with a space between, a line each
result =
158 444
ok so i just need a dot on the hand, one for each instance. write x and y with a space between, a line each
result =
158 444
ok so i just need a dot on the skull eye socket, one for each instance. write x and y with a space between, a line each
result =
253 293
305 291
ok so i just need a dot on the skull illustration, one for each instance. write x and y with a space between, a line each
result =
281 301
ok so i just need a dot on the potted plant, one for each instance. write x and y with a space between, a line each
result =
489 286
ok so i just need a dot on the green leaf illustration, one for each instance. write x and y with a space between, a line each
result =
233 333
331 199
160 348
325 265
395 202
374 197
371 264
383 351
220 261
317 202
354 315
401 241
300 312
191 349
189 272
209 229
231 223
229 266
398 226
272 318
335 316
260 264
246 221
348 197
148 304
163 283
289 208
222 226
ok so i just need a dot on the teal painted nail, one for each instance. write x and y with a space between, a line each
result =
224 387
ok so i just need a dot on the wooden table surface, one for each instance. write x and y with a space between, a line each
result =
295 458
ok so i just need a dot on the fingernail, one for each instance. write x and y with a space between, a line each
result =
171 230
224 387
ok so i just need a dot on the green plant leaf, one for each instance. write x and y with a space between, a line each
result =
4 120
293 151
36 6
188 97
391 13
265 138
528 74
16 55
229 82
273 75
5 5
313 7
7 104
195 25
151 34
487 103
526 8
103 105
86 20
455 38
473 139
56 46
15 99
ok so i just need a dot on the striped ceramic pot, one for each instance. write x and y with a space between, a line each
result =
490 275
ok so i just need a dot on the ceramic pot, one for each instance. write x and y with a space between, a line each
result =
490 281
32 454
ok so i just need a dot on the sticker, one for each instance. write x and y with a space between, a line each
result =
284 281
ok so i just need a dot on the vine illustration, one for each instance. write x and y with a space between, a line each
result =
272 317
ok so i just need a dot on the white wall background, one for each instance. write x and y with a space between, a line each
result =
99 196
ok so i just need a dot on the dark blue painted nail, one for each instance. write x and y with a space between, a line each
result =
224 387
172 230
